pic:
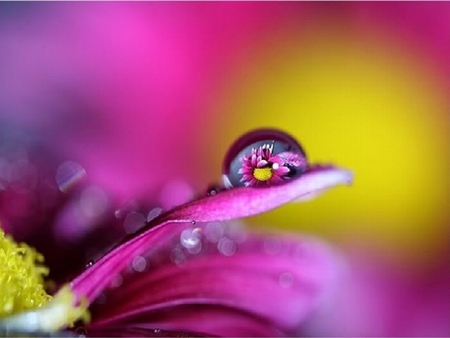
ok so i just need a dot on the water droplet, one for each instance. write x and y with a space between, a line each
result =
214 231
193 222
191 240
226 247
263 157
69 174
139 264
133 222
155 212
213 190
286 280
89 264
157 331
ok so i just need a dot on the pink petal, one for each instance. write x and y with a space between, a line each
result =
261 163
226 205
235 284
242 202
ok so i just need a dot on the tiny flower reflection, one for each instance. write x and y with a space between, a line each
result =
195 268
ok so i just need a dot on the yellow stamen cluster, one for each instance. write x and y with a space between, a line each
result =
263 174
21 277
24 304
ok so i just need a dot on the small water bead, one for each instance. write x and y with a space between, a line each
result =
152 214
68 175
286 280
89 264
226 247
133 222
213 189
190 238
139 264
263 157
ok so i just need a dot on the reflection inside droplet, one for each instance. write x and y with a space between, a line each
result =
263 157
69 174
190 238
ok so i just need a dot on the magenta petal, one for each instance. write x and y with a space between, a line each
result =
229 204
242 202
235 284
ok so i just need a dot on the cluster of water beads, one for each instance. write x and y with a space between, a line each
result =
259 158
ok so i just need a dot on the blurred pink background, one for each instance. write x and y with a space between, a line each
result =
144 99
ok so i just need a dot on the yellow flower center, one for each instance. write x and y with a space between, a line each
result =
25 306
263 174
21 277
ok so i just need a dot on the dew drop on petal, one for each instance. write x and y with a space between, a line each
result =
263 157
89 264
213 189
190 238
226 247
68 175
155 212
139 264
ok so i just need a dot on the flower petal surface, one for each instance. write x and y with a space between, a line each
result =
229 204
218 279
243 202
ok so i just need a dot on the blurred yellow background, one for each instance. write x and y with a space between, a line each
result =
366 102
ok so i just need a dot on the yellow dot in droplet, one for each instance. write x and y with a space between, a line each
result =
262 174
